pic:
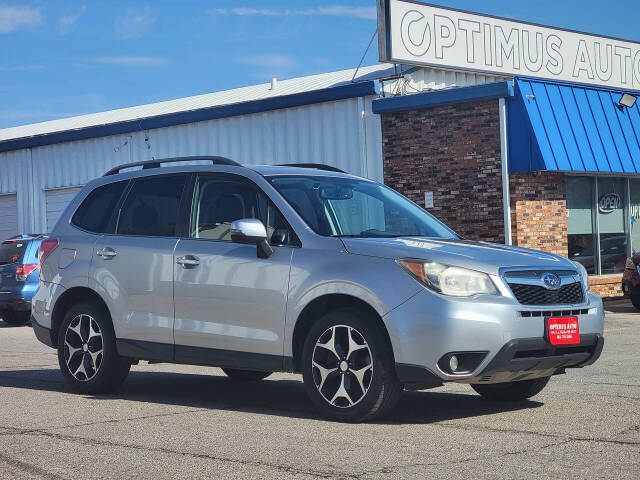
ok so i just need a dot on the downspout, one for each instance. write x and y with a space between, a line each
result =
504 155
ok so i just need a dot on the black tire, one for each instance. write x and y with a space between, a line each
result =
112 369
635 298
512 391
15 318
245 375
383 390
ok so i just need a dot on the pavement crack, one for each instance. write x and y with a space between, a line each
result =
396 469
164 450
29 468
539 434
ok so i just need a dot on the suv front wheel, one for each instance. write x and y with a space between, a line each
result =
87 351
348 367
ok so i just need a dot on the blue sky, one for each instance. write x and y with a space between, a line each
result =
62 58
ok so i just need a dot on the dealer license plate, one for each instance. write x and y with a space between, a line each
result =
563 330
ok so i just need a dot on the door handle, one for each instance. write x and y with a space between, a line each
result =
107 253
188 261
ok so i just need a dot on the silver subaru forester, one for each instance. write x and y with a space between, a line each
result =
300 269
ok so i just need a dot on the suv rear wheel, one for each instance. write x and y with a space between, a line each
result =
87 351
512 391
245 375
348 367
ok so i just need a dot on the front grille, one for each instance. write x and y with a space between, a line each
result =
536 295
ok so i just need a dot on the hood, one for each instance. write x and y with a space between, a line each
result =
479 256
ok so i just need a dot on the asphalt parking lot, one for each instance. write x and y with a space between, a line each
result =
190 422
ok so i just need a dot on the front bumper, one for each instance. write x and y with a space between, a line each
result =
427 327
528 358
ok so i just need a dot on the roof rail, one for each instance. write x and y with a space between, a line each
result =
319 166
156 163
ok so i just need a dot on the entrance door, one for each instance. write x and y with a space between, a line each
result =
229 302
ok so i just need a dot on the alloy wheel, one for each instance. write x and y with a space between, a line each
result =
342 366
83 347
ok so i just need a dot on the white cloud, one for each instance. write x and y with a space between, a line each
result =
69 20
133 61
15 18
21 68
368 13
268 61
134 24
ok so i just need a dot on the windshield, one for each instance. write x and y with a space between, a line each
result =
349 207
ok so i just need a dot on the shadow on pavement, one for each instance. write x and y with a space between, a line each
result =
4 324
271 397
620 306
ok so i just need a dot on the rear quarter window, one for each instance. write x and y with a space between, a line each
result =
96 210
12 251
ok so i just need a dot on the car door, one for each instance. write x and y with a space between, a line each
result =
230 305
134 266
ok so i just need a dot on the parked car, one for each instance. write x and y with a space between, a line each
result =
631 280
612 254
18 277
301 269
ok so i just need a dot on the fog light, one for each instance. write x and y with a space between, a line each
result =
453 363
461 363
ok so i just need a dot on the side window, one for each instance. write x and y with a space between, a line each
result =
95 211
219 200
152 206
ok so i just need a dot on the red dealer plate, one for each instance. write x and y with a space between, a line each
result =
563 330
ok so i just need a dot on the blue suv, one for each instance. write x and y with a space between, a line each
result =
18 277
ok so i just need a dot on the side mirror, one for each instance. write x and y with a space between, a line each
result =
251 231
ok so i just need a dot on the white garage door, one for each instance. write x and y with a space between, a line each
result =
8 216
57 201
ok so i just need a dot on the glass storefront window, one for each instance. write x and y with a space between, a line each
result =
603 222
611 224
634 214
580 222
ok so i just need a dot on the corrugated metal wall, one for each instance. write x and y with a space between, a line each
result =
344 133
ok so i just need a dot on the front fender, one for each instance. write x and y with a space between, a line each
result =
379 282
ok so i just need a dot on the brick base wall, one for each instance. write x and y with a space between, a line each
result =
607 286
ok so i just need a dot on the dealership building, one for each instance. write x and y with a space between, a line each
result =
507 131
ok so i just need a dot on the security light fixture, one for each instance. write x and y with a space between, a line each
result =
627 100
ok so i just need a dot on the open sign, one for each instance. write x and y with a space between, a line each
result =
609 202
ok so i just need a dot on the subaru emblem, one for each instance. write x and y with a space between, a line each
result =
551 281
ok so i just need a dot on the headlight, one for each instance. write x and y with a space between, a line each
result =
448 280
583 275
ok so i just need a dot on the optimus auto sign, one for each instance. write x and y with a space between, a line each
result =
416 33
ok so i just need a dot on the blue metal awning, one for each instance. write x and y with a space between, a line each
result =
564 127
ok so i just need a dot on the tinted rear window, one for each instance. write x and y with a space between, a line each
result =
96 210
151 207
11 252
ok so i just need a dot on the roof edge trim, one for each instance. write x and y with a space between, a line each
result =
449 96
357 89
